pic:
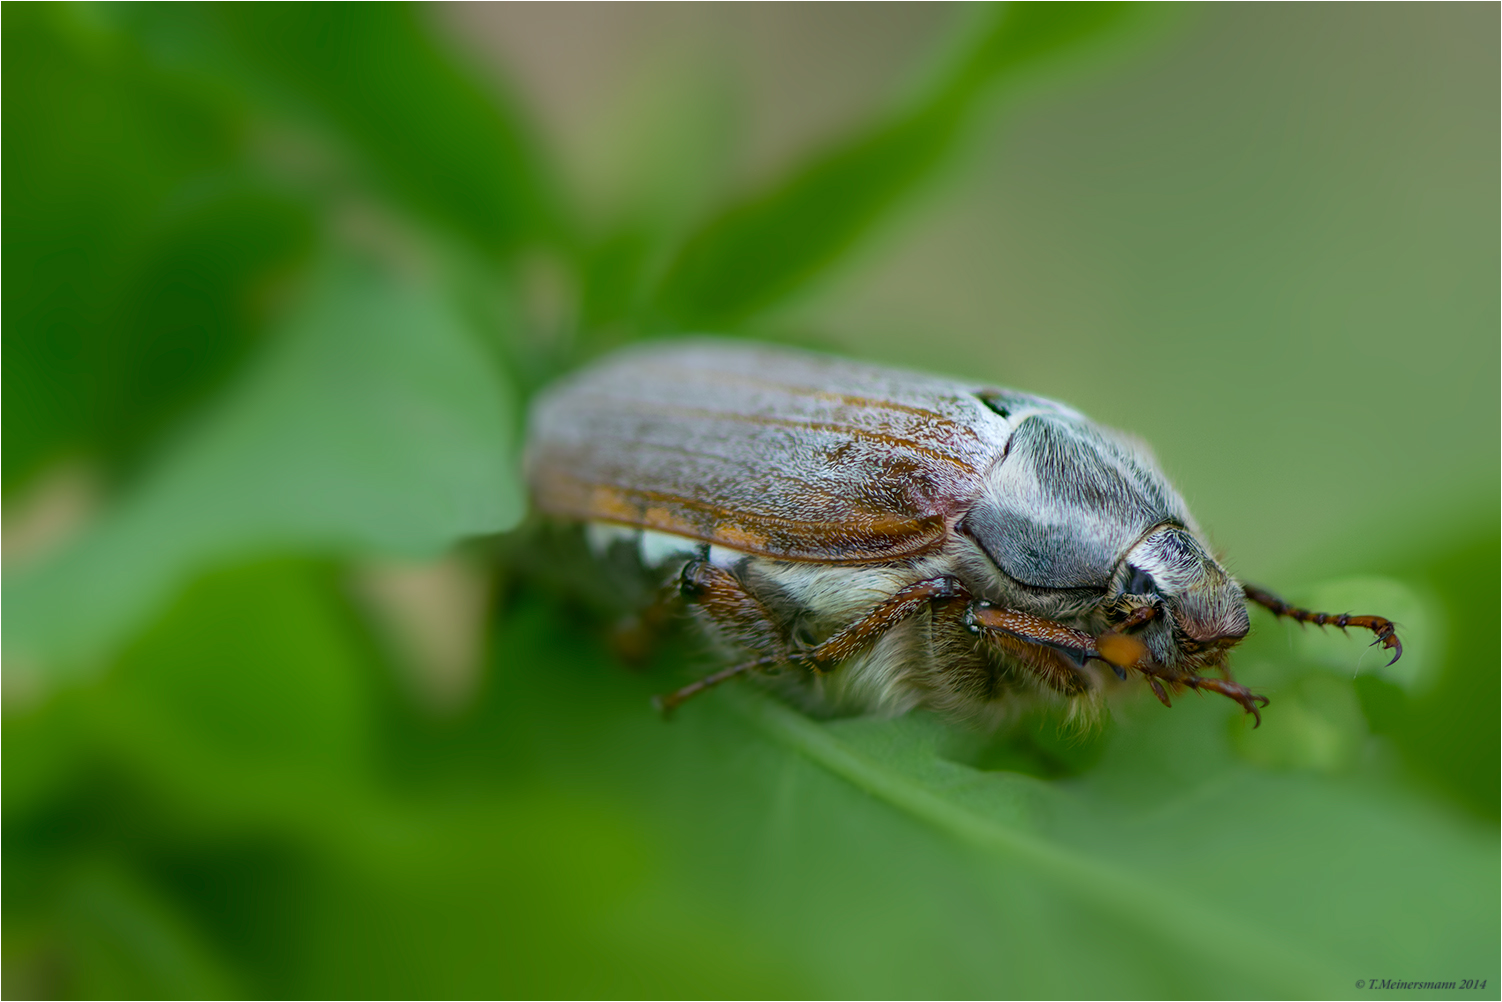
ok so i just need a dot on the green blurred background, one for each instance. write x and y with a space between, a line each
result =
288 711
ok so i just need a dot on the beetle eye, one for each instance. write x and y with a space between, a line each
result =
1140 583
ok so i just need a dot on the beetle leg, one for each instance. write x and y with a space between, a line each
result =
983 616
634 637
1025 636
1157 674
737 612
1383 628
1055 652
724 596
1249 700
667 704
1138 616
910 600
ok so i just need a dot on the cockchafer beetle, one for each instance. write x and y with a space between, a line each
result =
875 539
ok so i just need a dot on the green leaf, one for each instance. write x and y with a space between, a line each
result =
251 684
560 838
772 243
1115 878
137 246
376 423
127 941
1444 728
373 77
233 739
870 855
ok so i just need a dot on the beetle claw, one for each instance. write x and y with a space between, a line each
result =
1250 701
1389 641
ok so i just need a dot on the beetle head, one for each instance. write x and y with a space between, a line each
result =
1202 608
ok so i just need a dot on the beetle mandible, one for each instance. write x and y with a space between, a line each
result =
876 539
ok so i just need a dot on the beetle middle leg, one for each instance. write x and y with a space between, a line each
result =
727 602
869 628
1039 643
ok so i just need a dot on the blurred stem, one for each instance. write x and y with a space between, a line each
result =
765 247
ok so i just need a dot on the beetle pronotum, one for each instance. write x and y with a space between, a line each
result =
878 539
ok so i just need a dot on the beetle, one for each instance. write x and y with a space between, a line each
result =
873 539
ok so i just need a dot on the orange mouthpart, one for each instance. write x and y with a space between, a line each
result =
1121 650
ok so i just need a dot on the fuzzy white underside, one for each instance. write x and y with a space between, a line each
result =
886 678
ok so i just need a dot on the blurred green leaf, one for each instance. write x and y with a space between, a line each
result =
1318 726
197 299
1150 867
560 836
126 941
1447 729
232 774
868 854
672 139
377 423
761 249
253 683
249 693
247 707
373 77
1437 719
138 251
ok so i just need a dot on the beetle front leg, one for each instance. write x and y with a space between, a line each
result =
1386 633
1157 674
1054 652
1058 652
